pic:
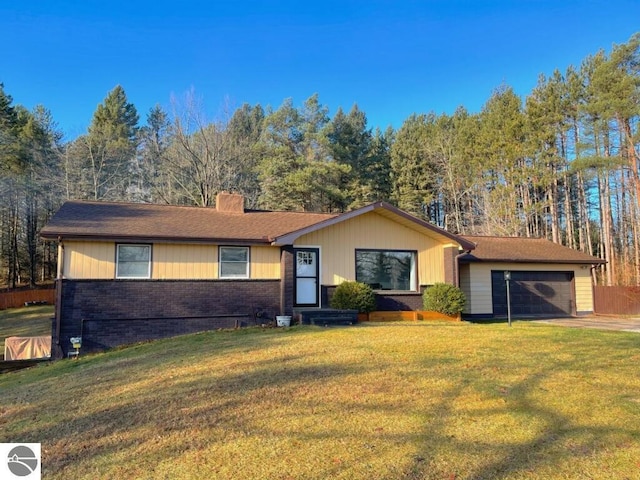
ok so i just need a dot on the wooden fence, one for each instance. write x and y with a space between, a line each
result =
18 298
616 300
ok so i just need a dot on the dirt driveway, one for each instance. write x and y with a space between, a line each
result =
626 324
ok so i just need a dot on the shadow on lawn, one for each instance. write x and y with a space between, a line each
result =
180 397
559 441
161 419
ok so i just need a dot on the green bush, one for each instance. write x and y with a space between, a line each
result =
444 298
354 296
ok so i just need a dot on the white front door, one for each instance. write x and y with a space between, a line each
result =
306 276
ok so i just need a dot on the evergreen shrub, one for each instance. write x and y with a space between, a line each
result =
354 296
444 298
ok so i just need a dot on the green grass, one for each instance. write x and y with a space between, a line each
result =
422 400
25 322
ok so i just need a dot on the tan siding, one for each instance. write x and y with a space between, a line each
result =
584 290
465 286
479 285
338 243
476 283
187 261
265 263
184 261
95 260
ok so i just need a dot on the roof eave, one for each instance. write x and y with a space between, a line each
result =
532 260
154 238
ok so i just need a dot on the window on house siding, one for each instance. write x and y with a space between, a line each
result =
133 261
387 269
234 262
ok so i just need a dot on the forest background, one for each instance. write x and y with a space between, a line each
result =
562 163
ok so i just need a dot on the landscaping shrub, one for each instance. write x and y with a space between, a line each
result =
354 296
444 298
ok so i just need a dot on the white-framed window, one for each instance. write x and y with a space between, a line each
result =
233 262
133 261
387 269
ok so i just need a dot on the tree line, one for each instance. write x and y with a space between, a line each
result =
562 163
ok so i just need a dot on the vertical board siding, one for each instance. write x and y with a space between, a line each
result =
339 242
184 261
476 283
89 260
265 263
169 261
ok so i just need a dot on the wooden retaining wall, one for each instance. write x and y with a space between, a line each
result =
383 316
616 300
18 298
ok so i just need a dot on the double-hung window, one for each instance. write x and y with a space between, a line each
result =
133 261
387 269
234 262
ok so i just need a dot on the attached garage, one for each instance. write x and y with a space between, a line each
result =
547 279
533 293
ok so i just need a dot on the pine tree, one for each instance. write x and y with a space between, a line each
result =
505 197
154 141
100 161
350 144
413 170
11 156
297 171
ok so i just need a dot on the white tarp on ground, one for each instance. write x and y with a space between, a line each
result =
26 348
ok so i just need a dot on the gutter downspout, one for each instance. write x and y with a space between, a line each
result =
456 267
58 309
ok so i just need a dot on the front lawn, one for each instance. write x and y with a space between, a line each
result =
409 400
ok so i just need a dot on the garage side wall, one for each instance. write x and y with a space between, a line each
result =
475 281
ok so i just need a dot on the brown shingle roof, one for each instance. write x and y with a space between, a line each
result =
523 250
81 219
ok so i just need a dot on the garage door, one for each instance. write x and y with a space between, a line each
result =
533 293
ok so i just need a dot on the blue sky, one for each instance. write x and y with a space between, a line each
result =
392 58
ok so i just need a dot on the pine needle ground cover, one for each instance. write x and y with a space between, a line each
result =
408 400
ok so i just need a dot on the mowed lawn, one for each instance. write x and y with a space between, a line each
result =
25 322
410 400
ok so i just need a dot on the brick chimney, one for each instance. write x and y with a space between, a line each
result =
230 202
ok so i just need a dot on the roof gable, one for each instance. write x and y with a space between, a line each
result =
524 250
386 210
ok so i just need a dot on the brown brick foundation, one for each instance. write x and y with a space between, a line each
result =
109 313
384 302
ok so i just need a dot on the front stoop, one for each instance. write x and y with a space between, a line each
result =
325 316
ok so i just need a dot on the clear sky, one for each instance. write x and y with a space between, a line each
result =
392 58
